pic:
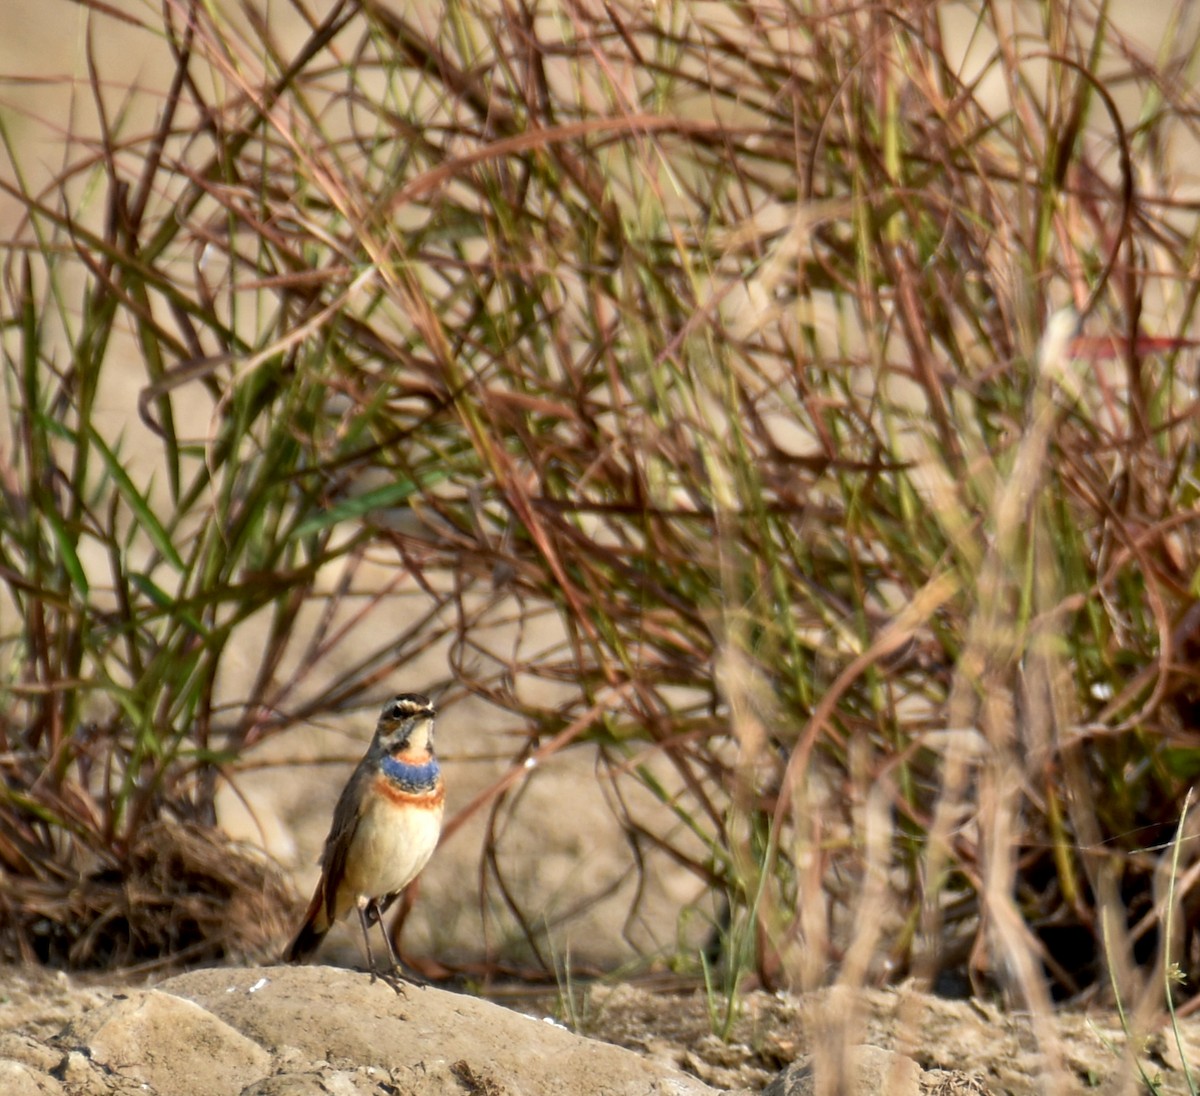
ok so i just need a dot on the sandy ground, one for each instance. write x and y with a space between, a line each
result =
322 1029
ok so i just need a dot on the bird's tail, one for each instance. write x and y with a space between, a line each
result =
312 931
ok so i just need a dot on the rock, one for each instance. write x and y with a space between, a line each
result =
161 1040
423 1040
316 1031
28 1051
18 1079
870 1071
316 1083
864 1071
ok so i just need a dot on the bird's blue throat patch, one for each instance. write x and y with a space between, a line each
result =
410 777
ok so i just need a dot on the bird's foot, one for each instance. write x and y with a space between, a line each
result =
392 978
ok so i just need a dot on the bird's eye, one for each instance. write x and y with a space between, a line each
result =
406 707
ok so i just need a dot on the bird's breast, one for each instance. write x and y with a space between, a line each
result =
395 837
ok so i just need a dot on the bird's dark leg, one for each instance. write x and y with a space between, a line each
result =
365 921
369 913
387 938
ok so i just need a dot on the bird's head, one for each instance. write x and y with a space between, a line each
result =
406 725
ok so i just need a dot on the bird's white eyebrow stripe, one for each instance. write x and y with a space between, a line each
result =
404 707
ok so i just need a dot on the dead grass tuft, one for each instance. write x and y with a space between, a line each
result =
184 896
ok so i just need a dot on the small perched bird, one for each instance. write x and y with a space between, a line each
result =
385 827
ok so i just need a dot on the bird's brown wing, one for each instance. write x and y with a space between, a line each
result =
346 817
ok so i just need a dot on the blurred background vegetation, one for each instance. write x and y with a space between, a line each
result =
705 378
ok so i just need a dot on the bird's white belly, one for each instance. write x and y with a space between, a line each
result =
390 848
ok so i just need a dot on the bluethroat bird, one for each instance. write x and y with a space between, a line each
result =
385 827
